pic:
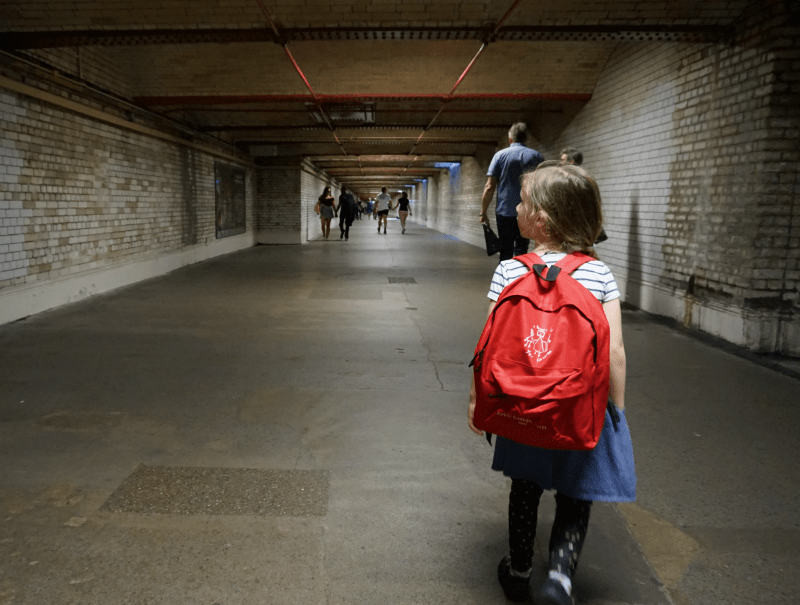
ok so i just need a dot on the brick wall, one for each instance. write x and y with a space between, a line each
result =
447 206
421 203
417 195
93 64
278 207
288 189
695 148
80 197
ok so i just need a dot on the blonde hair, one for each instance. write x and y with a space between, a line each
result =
569 197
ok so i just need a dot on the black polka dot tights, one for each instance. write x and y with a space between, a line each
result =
566 537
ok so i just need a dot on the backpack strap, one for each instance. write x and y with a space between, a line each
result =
535 263
530 259
568 264
573 261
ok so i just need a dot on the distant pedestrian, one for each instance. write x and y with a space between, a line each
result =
326 211
505 170
383 203
347 212
570 155
404 209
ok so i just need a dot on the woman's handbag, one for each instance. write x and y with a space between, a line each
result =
492 241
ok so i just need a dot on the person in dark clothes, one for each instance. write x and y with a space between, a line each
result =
347 213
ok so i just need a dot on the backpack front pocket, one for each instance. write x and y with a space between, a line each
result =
506 378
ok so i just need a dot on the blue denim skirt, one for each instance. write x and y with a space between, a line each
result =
606 473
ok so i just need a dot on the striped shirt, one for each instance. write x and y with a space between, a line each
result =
595 276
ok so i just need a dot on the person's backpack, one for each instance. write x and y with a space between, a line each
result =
541 365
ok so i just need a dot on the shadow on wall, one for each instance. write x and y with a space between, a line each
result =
633 291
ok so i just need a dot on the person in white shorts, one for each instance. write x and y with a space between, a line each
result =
383 203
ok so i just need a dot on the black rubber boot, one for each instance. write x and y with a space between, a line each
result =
516 589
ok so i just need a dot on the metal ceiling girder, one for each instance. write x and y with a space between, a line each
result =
132 37
627 32
617 33
373 127
423 163
383 158
381 142
168 101
377 177
380 171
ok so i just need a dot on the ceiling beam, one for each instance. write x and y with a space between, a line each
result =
131 37
347 127
357 146
624 32
514 33
383 158
199 100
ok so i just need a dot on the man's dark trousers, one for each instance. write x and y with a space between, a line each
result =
511 242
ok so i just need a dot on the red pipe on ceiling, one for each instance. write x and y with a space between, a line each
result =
271 22
300 72
508 12
463 75
471 63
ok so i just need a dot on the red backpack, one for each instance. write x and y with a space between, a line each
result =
542 362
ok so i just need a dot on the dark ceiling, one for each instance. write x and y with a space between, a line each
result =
375 93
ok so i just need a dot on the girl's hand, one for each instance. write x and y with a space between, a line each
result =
473 399
471 416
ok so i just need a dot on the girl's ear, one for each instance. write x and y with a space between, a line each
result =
540 233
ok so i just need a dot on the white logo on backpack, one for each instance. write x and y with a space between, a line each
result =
536 344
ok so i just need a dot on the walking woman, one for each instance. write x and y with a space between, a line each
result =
326 211
404 210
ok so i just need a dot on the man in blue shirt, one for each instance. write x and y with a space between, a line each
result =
505 171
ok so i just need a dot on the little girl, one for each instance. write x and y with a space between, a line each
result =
560 211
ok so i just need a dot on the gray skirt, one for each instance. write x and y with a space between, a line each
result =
325 211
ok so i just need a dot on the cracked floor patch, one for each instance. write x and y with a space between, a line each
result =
221 491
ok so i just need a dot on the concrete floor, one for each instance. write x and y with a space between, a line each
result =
285 425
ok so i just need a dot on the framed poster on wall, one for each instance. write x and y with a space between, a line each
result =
230 200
